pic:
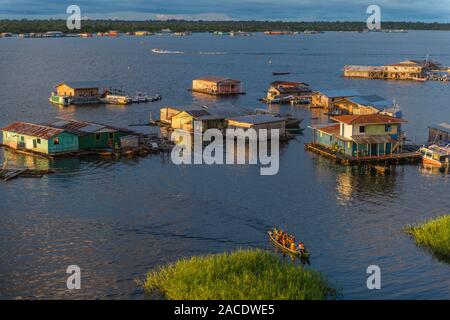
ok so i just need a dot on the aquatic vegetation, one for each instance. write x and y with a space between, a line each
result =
251 274
434 235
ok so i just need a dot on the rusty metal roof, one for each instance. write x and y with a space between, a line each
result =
81 128
35 130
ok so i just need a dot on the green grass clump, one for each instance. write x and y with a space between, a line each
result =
240 275
434 235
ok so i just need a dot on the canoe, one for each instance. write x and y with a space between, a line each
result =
280 73
293 252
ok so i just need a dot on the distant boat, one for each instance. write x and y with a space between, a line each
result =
160 51
280 73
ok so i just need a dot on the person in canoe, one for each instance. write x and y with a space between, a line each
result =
301 247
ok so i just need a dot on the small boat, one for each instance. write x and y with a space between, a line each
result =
115 96
436 155
305 254
280 73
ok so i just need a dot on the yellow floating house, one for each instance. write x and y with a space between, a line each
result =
404 70
204 118
79 92
362 105
217 86
327 98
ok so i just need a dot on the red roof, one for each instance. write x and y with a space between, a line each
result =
367 119
333 129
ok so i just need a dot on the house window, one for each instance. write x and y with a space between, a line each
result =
98 137
22 138
362 129
56 140
387 128
111 135
39 141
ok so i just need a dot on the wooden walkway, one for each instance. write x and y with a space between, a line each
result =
404 157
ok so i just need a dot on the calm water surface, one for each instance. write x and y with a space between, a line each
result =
119 219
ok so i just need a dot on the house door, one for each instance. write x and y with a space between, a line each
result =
388 148
374 149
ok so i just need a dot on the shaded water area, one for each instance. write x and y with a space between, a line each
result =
119 219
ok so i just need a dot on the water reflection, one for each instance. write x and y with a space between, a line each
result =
430 170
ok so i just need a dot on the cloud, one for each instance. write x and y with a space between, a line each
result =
293 10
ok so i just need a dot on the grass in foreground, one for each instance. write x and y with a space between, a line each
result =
434 235
243 274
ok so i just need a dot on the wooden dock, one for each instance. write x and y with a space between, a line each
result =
395 158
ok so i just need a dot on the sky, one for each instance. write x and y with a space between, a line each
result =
286 10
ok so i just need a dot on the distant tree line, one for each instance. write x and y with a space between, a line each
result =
26 26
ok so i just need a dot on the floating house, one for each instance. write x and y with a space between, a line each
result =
439 134
142 33
62 136
205 118
258 122
167 113
39 138
76 92
278 33
360 136
405 70
217 86
327 98
362 105
286 91
92 135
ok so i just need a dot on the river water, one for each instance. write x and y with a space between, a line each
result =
119 219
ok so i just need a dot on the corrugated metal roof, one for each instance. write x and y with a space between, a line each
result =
442 127
371 100
340 93
257 119
217 79
333 129
367 119
82 127
34 130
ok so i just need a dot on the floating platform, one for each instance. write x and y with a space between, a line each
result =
403 157
213 93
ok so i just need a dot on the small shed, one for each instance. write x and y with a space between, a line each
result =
439 133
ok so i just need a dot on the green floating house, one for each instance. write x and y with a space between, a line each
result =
62 136
361 136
